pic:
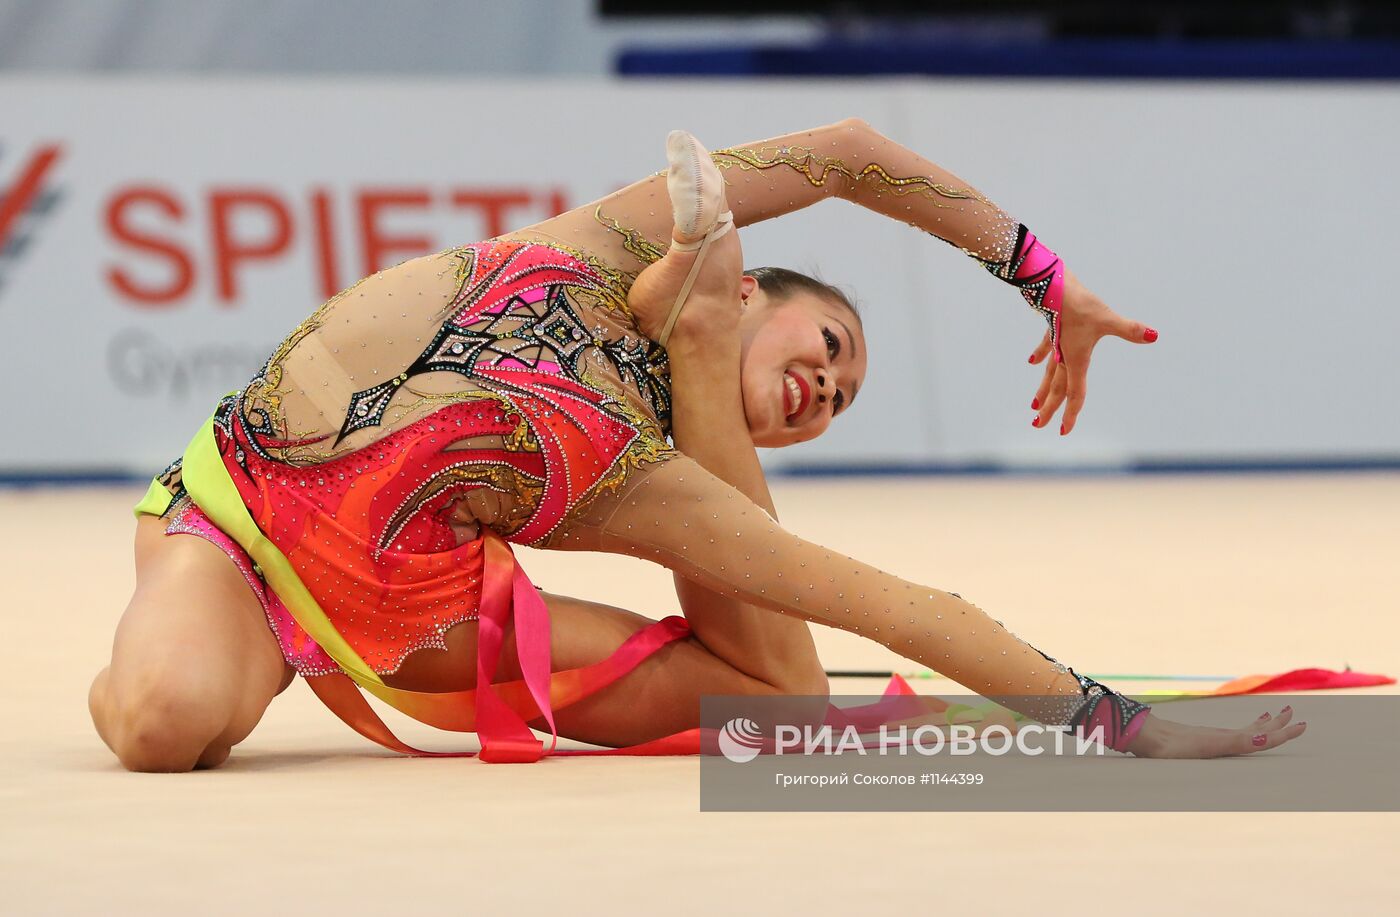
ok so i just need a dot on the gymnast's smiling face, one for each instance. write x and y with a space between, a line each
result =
803 361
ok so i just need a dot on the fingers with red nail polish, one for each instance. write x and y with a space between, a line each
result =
1041 349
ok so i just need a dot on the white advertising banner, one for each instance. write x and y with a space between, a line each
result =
158 238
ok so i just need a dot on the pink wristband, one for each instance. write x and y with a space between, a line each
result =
1115 718
1040 275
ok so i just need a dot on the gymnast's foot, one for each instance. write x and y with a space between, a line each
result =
696 190
699 209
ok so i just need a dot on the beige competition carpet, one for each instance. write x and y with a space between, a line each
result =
1196 574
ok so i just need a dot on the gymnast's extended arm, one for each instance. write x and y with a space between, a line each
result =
772 177
727 544
853 161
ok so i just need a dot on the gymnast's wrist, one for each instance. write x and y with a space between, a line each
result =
1111 718
1144 735
1152 737
1040 276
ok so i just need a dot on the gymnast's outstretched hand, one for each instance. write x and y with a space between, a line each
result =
1165 739
1084 321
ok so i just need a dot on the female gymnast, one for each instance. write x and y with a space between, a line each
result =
353 503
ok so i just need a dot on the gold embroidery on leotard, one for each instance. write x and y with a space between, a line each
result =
618 404
649 447
817 169
628 371
995 243
522 492
616 282
522 438
519 439
636 244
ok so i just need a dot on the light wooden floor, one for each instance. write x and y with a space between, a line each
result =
1228 575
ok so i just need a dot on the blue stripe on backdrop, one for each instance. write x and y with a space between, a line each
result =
1183 466
94 477
1358 59
82 478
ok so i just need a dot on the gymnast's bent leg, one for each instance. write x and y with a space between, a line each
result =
194 664
659 697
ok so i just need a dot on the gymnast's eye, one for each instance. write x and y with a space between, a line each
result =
837 403
833 344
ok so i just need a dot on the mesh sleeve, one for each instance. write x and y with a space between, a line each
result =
684 518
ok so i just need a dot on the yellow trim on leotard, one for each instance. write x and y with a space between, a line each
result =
211 488
155 502
213 491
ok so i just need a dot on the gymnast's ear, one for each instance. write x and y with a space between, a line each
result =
747 286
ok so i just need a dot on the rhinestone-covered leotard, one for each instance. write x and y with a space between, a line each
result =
504 385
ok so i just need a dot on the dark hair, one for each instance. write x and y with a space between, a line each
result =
779 283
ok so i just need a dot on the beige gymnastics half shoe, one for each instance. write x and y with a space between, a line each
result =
697 205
